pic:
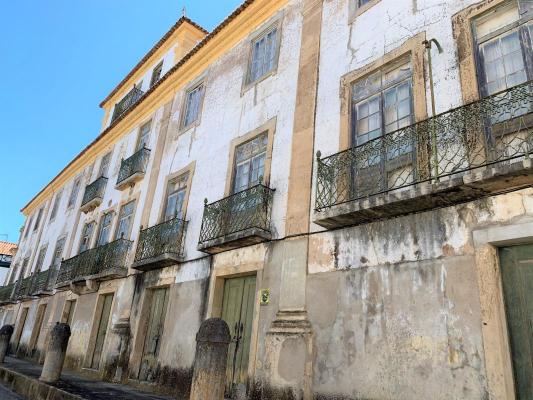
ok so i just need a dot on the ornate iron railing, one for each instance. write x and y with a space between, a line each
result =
165 238
496 129
248 209
135 164
23 288
94 190
109 257
6 292
127 101
41 282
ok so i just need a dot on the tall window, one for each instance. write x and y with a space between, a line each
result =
74 192
125 220
264 55
38 220
105 229
176 191
86 236
382 103
24 269
156 74
58 254
193 102
104 165
249 168
144 136
40 259
28 227
361 3
55 207
503 39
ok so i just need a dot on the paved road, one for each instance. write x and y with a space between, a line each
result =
6 394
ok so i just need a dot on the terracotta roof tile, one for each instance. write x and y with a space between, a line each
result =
8 248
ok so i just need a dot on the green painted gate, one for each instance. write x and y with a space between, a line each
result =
517 275
238 312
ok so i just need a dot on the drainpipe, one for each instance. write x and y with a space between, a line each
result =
428 44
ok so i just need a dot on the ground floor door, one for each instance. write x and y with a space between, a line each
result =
20 328
517 276
37 328
154 333
103 322
238 311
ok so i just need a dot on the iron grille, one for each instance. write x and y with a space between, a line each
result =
6 292
94 190
496 129
109 257
23 288
248 209
135 164
165 238
41 282
127 101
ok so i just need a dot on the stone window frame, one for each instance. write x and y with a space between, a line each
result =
133 215
356 10
139 130
156 71
190 168
275 22
74 192
200 81
411 48
94 234
100 219
56 205
270 128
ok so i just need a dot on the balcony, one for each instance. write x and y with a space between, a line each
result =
236 221
41 284
132 169
128 101
6 293
93 195
477 150
99 264
161 245
23 288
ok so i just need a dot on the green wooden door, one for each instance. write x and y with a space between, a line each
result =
237 311
103 321
154 333
517 275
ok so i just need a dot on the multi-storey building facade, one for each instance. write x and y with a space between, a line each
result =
366 230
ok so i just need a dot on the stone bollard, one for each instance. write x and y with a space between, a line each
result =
209 378
55 353
5 337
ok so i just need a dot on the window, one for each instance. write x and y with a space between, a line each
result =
28 227
104 165
125 220
156 74
58 253
193 103
503 39
361 3
105 229
382 103
40 259
176 191
264 55
249 168
14 271
144 136
55 207
24 269
74 193
68 312
86 237
38 220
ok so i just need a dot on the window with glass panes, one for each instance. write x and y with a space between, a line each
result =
144 136
503 38
86 236
382 103
24 270
58 253
361 3
28 227
74 192
104 233
125 220
176 192
40 259
264 55
249 168
55 207
104 165
38 220
193 103
156 74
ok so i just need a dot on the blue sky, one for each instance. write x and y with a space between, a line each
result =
59 59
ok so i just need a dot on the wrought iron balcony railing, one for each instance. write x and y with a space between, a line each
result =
6 292
94 193
101 262
41 283
238 213
161 244
127 101
23 288
494 130
133 167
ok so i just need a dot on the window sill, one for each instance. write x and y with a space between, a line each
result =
248 86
